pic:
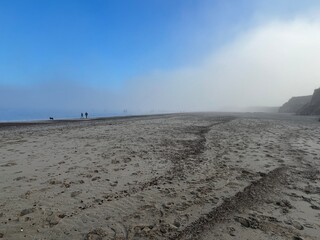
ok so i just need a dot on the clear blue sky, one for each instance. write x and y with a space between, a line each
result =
104 43
102 52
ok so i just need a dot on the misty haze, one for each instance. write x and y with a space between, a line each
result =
160 120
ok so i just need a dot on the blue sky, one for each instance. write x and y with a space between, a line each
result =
107 42
108 45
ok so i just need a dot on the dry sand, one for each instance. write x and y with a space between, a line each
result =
191 176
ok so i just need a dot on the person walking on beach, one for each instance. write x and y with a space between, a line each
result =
81 115
86 114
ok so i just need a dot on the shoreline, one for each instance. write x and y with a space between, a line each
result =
74 120
21 123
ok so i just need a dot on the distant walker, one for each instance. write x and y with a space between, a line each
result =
86 114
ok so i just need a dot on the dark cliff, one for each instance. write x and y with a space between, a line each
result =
295 104
313 107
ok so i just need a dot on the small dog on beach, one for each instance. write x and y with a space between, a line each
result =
51 118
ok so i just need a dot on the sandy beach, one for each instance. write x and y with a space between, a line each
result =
179 176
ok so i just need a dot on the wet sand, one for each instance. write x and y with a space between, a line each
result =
184 176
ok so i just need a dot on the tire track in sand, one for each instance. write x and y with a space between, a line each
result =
192 149
252 194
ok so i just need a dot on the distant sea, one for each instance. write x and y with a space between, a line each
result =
8 115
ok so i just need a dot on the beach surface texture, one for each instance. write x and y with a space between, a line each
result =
179 176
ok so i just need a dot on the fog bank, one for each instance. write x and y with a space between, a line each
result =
261 67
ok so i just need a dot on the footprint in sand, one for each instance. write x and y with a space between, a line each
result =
9 164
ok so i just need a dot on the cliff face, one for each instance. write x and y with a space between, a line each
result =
295 104
313 107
